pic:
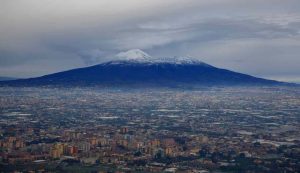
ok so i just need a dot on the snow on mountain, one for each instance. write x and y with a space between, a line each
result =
180 60
139 56
134 54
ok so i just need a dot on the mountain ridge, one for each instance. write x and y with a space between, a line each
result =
136 68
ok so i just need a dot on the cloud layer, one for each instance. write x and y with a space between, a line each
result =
254 37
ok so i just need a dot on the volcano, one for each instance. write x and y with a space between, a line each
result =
137 68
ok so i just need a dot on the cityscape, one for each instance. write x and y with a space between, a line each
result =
149 86
209 129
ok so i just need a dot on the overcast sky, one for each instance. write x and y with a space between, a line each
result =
257 37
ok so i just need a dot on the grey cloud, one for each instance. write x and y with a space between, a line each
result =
94 56
228 33
147 37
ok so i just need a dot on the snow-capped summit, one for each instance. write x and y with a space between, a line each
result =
139 56
134 54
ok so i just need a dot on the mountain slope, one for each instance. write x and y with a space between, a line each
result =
137 68
6 78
